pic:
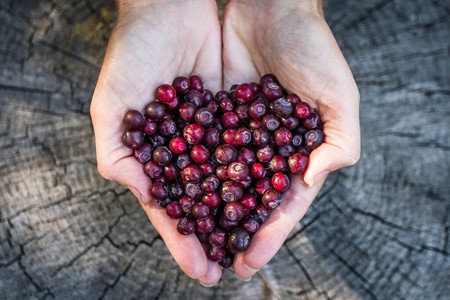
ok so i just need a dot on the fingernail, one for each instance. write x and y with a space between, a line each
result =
318 178
207 285
251 269
246 279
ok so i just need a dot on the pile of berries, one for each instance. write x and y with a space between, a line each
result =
220 163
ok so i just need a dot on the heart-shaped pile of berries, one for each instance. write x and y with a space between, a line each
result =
220 163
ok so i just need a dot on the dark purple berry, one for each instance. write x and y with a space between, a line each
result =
282 108
247 156
133 119
193 190
150 127
302 110
231 191
238 171
200 210
261 213
175 191
230 120
208 96
291 122
227 261
211 138
225 154
212 200
207 169
234 211
157 140
286 151
244 93
270 122
171 171
194 97
239 240
297 140
263 185
272 90
282 136
165 93
271 199
191 173
268 78
199 154
162 156
218 237
210 184
314 138
222 173
242 112
250 224
258 171
167 127
187 111
249 201
281 182
144 153
196 83
220 95
227 224
193 133
133 139
178 145
216 254
163 202
174 210
278 164
260 137
204 117
181 85
186 204
311 122
226 105
155 110
183 160
243 137
257 109
152 169
265 154
294 99
186 226
297 163
228 137
158 190
205 225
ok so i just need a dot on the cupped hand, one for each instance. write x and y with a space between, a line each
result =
291 40
152 43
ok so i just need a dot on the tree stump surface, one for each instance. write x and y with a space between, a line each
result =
377 230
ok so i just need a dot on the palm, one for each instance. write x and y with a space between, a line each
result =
301 51
150 46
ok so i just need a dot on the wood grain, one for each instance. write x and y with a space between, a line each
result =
378 230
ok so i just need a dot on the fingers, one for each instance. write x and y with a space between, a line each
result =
186 250
238 63
269 239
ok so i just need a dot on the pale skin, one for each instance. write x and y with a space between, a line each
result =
152 44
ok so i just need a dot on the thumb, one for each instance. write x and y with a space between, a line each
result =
341 147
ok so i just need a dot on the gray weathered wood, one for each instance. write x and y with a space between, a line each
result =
379 229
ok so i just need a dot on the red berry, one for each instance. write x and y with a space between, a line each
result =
165 93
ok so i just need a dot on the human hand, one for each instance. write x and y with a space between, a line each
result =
152 43
291 40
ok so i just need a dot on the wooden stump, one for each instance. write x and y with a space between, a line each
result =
379 229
